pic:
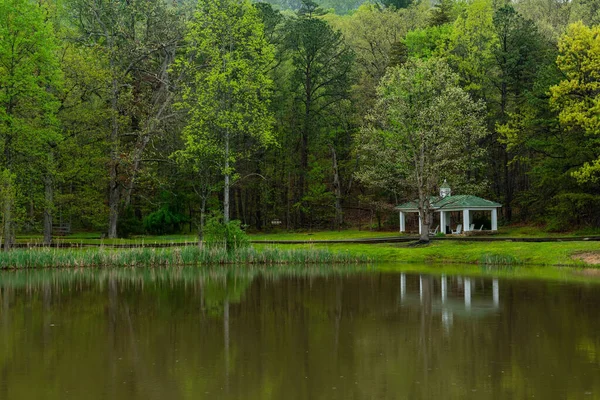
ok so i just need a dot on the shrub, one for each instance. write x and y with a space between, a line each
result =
163 221
230 236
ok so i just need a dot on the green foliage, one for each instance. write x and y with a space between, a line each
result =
129 224
424 126
442 13
30 79
89 129
396 4
471 47
163 221
229 236
577 97
428 42
228 91
319 200
569 210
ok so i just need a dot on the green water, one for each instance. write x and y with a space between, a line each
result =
192 334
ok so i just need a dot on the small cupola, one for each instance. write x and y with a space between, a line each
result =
445 189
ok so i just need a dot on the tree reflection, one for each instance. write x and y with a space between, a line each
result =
131 334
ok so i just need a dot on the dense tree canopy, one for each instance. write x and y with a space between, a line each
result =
120 116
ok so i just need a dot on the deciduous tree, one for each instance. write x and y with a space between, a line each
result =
424 128
227 91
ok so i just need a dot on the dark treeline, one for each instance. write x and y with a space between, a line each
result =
143 116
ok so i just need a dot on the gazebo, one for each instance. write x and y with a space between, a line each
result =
446 203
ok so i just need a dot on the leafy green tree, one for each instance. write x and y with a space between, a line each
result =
375 36
577 97
139 39
424 128
227 93
29 79
201 162
82 154
587 11
428 42
471 47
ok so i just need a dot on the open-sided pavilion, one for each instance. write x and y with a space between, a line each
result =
446 203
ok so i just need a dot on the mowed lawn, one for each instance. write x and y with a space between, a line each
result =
501 253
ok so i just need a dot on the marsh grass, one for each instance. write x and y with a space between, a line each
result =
499 259
174 256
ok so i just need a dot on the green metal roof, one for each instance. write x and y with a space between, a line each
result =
461 201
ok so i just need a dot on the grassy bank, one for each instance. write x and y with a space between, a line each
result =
487 253
177 256
84 238
456 252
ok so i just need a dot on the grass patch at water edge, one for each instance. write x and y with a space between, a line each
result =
105 257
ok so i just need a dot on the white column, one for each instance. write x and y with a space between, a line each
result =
443 221
402 221
496 293
468 293
495 219
420 223
465 220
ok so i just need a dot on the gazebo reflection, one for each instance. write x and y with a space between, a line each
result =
451 296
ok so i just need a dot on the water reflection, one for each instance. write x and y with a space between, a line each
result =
452 295
294 334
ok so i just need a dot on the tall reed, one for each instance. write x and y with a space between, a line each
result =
104 257
498 259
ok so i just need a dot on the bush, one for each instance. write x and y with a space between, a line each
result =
230 236
570 210
163 221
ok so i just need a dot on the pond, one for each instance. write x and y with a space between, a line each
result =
317 334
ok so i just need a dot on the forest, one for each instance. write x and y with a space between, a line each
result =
153 116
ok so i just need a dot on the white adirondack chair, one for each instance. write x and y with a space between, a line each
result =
458 230
434 231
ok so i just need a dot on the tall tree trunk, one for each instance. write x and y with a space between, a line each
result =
144 138
305 142
226 185
113 186
48 207
425 224
113 201
337 187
